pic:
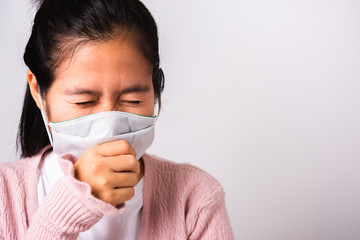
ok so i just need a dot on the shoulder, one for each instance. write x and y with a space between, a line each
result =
14 173
22 165
187 179
180 199
18 195
14 170
13 195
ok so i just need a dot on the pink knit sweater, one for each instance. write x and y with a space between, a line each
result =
180 202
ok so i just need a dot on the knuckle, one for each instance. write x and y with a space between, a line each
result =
90 158
130 192
96 168
108 197
84 157
91 152
105 196
133 162
102 181
123 144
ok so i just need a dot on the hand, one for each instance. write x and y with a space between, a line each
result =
111 170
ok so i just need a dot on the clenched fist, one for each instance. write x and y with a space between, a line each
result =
111 170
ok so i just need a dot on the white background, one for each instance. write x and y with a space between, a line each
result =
263 95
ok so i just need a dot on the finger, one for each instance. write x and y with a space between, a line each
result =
123 194
124 179
114 148
117 196
113 180
123 163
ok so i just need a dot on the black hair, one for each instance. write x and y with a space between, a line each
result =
60 26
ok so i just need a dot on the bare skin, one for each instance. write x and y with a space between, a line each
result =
106 76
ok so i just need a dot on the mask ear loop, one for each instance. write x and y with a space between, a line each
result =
156 109
43 114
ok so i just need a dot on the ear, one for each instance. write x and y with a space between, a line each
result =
33 87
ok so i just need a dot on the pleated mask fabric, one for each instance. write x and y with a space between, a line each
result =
77 135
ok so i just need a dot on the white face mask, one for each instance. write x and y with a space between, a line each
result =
77 135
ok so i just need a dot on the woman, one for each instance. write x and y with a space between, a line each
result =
87 119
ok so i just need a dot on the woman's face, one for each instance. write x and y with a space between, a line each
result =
107 76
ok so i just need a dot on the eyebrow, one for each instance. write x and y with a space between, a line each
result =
80 91
135 88
85 91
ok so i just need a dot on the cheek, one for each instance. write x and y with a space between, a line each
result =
54 110
150 106
150 109
145 109
58 110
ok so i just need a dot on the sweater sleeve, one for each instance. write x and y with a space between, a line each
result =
69 208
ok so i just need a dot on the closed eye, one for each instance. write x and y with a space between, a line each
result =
127 102
84 104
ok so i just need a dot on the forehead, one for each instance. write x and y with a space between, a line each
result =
117 61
